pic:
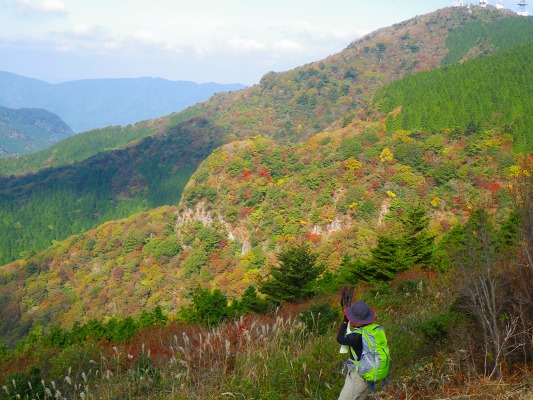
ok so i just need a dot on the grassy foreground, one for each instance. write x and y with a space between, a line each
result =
275 356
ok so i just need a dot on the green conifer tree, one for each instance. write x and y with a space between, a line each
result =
208 308
388 258
251 302
409 246
293 279
418 242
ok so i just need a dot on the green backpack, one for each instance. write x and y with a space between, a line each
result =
375 359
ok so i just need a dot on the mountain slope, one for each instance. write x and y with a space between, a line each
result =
296 104
96 103
81 147
55 203
481 36
494 91
290 106
252 196
28 130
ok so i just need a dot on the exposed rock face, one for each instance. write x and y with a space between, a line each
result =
199 212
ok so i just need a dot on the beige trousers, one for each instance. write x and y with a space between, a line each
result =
355 387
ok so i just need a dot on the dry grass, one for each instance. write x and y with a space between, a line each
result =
268 357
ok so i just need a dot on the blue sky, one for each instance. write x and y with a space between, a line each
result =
224 41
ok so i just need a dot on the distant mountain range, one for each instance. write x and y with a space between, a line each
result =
28 130
96 103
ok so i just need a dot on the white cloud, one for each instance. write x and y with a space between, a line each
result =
84 31
145 37
287 46
228 41
240 45
26 7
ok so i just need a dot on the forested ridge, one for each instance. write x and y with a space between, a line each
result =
55 203
29 129
289 106
429 217
252 196
482 36
76 148
494 91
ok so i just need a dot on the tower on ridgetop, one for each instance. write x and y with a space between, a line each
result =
522 8
499 5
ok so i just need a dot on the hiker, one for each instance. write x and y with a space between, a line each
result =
358 322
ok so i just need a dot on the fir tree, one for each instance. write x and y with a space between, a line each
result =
418 242
294 277
208 308
388 258
251 302
410 246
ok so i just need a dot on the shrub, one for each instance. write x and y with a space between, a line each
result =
23 385
208 308
436 328
319 318
163 247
